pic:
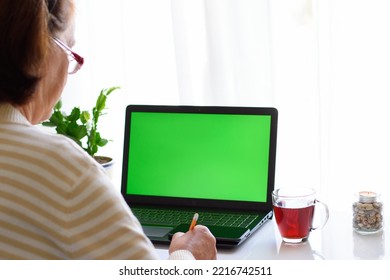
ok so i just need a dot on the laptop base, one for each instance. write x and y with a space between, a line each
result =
232 236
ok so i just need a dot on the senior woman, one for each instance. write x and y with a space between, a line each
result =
55 201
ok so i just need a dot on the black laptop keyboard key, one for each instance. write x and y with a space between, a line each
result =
177 217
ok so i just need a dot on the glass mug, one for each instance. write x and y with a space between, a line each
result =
294 213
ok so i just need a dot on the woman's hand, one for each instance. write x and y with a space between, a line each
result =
199 241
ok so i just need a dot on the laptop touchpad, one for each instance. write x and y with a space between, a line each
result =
156 231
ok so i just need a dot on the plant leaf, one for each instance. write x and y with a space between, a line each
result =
77 131
102 142
79 124
48 124
85 117
111 89
101 101
58 106
62 128
74 115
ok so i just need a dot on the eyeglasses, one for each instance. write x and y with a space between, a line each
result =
75 60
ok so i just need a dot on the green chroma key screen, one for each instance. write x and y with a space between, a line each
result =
207 156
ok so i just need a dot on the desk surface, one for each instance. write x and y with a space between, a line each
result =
336 241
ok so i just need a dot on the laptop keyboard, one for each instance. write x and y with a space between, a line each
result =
176 217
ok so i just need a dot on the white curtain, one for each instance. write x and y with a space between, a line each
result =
324 64
223 52
355 82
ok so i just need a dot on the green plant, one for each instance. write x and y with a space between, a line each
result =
82 126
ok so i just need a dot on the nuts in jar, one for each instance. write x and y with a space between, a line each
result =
367 213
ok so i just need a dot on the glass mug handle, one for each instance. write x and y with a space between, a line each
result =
317 202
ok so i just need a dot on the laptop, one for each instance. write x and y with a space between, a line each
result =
218 162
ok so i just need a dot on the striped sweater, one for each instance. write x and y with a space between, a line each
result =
57 203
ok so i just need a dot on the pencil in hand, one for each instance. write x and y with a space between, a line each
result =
194 220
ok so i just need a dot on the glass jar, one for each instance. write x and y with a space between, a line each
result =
367 212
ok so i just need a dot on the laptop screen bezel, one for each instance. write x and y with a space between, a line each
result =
201 203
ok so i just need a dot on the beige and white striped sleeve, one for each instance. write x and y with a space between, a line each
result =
101 225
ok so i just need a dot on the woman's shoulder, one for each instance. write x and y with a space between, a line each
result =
51 161
57 149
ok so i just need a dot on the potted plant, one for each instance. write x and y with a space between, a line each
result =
82 126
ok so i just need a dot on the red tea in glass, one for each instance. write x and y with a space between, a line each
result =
294 223
294 212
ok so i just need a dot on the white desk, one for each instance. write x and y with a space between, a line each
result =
336 241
